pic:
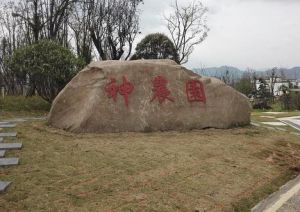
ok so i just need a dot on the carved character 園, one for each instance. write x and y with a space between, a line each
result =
195 91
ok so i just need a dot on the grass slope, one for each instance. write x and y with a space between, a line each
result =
215 170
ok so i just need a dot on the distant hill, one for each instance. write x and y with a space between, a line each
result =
235 73
220 72
293 73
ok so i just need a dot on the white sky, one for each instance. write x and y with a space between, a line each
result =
243 33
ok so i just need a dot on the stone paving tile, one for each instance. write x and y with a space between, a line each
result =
9 146
9 161
7 125
8 134
274 123
2 153
5 122
4 185
25 119
255 124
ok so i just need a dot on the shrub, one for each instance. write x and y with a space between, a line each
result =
46 65
290 101
156 46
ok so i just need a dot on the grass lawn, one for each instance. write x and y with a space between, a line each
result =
216 170
212 170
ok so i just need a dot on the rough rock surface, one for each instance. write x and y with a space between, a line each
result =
84 105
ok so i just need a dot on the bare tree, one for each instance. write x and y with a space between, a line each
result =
12 37
114 25
80 20
272 74
44 19
187 27
227 78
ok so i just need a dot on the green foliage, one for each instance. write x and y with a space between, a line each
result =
244 86
46 65
290 100
263 96
156 46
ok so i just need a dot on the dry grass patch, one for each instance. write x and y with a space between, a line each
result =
209 169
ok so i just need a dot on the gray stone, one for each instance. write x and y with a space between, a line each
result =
274 123
8 146
7 125
276 197
8 134
25 119
2 153
1 140
292 204
4 185
255 124
4 122
91 110
9 161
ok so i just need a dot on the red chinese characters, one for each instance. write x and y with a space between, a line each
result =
112 89
125 89
161 92
195 91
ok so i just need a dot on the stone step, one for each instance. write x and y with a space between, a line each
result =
2 153
7 125
5 122
1 140
8 134
9 146
4 185
9 161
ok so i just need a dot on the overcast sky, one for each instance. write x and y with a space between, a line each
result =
243 33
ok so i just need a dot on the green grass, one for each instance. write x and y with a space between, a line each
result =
20 106
276 107
25 104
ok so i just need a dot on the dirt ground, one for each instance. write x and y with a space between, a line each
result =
212 170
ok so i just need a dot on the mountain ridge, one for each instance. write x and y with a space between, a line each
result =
236 73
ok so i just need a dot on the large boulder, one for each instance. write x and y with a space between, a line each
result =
143 96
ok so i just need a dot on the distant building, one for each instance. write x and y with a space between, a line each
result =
293 83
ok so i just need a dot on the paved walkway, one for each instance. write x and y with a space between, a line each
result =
6 161
292 121
287 199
